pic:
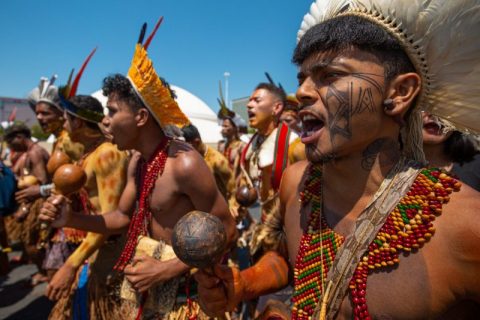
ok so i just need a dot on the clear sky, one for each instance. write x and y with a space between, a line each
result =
198 41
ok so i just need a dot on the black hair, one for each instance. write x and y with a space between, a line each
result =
229 119
190 133
278 92
88 103
460 147
120 86
16 128
341 34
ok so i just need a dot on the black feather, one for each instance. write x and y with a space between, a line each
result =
142 33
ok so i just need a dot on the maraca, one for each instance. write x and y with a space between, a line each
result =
199 239
68 178
57 159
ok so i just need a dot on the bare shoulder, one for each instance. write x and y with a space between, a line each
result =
295 172
459 229
461 216
185 161
292 179
107 156
37 152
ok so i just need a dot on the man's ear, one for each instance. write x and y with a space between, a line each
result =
77 123
277 108
141 117
401 93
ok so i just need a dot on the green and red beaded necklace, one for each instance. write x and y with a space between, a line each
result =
407 228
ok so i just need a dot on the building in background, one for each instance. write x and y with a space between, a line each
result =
16 109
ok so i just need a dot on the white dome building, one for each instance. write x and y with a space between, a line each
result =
196 110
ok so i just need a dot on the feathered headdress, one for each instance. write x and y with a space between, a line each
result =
45 92
154 92
292 102
225 113
70 90
440 38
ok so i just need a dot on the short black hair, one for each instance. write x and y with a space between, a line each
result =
120 86
342 33
16 128
460 147
89 103
273 89
190 133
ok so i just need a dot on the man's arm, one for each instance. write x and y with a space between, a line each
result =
197 182
39 166
110 180
56 211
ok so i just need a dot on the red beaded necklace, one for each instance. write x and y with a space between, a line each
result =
140 221
407 228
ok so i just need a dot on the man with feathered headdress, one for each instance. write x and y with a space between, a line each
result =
232 126
166 179
372 233
85 285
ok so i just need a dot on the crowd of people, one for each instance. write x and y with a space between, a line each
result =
347 191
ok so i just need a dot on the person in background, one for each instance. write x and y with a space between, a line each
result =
31 172
451 150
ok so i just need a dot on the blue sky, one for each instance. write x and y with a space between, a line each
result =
197 42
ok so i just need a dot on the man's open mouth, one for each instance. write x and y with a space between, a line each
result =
433 128
311 125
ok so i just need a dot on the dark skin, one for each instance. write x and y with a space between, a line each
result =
51 120
441 280
185 185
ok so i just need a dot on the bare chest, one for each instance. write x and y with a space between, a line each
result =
167 205
419 287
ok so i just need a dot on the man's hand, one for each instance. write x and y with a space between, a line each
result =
219 292
56 211
61 282
145 271
28 194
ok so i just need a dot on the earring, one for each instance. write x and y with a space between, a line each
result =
388 105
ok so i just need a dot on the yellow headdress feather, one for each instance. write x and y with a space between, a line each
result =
155 94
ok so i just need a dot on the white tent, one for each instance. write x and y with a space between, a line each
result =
196 110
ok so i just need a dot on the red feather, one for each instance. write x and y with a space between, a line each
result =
73 91
149 39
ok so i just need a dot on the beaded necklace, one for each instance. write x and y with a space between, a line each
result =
140 221
316 253
407 228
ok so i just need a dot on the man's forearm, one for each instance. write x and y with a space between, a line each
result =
109 223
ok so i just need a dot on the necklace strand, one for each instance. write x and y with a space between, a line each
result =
406 229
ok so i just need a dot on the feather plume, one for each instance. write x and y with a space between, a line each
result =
73 90
223 112
149 39
142 33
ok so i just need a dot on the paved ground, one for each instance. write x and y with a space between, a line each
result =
18 300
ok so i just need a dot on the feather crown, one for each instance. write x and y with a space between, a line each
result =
70 90
291 102
439 37
154 92
45 92
225 113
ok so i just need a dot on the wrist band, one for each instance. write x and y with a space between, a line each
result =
45 189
